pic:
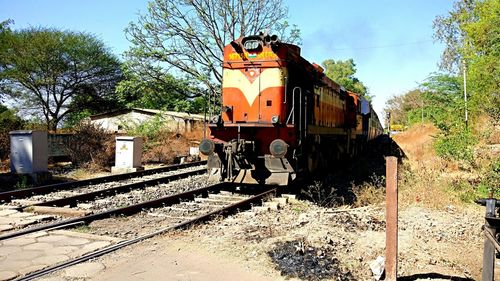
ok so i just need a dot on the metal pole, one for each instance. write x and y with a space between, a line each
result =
391 216
489 252
422 111
465 95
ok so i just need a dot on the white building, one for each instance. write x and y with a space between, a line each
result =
119 120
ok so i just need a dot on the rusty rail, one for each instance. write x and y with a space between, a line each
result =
72 201
39 190
223 211
129 210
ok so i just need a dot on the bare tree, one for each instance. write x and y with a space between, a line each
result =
188 36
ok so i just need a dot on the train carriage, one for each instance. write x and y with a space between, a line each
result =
281 116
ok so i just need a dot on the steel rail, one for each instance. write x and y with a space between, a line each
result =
223 211
44 189
128 210
72 201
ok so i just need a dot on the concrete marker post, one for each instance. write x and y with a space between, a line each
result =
391 242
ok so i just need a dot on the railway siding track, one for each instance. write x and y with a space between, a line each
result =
72 201
33 214
177 211
8 196
127 210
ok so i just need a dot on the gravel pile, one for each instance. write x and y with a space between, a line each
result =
296 259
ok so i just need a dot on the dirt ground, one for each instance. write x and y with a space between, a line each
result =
327 244
303 241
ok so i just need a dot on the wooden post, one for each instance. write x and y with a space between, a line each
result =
391 215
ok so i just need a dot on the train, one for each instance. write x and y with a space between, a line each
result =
281 117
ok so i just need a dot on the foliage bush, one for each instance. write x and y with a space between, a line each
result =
491 180
9 121
91 147
458 145
322 194
370 192
160 144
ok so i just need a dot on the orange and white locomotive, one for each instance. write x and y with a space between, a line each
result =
281 116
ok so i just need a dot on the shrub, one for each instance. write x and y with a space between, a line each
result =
457 145
370 192
160 144
91 147
9 121
322 194
491 181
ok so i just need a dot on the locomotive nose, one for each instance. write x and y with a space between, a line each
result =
207 147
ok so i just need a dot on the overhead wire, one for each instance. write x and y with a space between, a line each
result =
384 46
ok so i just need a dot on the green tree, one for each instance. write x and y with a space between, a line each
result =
171 94
471 33
9 121
444 106
188 37
53 72
443 101
403 107
343 73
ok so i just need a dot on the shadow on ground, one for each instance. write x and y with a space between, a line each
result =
367 168
431 276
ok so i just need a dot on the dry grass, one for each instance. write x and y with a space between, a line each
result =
417 143
170 146
426 179
371 192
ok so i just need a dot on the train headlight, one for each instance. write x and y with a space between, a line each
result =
275 119
278 148
207 147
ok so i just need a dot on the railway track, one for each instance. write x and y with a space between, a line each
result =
156 204
149 189
9 196
174 212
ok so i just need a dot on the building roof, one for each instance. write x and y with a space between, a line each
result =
152 112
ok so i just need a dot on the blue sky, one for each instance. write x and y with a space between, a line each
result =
389 40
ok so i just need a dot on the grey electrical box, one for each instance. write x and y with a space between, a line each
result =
28 152
128 154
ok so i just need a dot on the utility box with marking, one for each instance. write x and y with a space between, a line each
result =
29 155
128 155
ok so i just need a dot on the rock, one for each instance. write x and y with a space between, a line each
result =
378 266
303 219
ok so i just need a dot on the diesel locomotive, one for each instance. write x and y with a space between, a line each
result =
281 117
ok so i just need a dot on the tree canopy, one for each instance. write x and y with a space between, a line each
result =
172 94
343 73
188 37
9 121
471 33
55 72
